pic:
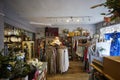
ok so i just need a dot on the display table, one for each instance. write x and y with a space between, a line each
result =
41 73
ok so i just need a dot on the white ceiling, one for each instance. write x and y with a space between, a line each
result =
55 12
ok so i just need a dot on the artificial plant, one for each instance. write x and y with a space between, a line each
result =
11 67
5 66
20 69
113 8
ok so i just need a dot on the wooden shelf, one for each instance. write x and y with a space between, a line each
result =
97 62
12 42
98 69
101 71
12 36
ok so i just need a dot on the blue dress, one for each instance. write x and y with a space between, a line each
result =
115 44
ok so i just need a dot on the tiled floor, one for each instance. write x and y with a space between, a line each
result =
75 72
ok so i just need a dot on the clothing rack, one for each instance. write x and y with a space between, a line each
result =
57 58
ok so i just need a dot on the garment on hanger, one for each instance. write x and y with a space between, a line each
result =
79 51
63 59
75 45
103 48
115 44
92 54
51 59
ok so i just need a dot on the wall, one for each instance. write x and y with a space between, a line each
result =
40 32
1 26
91 28
98 26
103 25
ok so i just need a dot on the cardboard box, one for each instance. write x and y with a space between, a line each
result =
111 66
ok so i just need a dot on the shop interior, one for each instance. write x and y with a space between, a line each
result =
59 40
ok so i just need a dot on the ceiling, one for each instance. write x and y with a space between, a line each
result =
56 12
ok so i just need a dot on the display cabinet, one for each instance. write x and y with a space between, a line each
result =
28 48
12 38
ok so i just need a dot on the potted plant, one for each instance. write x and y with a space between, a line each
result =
21 69
11 67
113 8
5 66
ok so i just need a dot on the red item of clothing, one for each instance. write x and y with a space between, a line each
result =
75 47
36 75
85 53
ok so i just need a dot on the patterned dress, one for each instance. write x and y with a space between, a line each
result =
51 59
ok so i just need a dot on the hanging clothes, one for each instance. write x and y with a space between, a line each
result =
115 44
75 45
85 53
51 59
63 59
103 49
86 59
80 51
75 49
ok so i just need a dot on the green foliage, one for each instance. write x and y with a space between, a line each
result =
20 69
113 4
11 67
4 66
113 8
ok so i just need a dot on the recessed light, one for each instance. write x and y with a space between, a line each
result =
37 23
78 20
67 20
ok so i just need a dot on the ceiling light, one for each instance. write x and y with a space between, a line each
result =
67 20
78 20
37 23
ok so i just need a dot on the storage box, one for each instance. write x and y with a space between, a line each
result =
112 66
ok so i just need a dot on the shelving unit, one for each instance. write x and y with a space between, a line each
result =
99 67
13 37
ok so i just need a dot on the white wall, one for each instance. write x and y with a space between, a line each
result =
40 33
91 28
